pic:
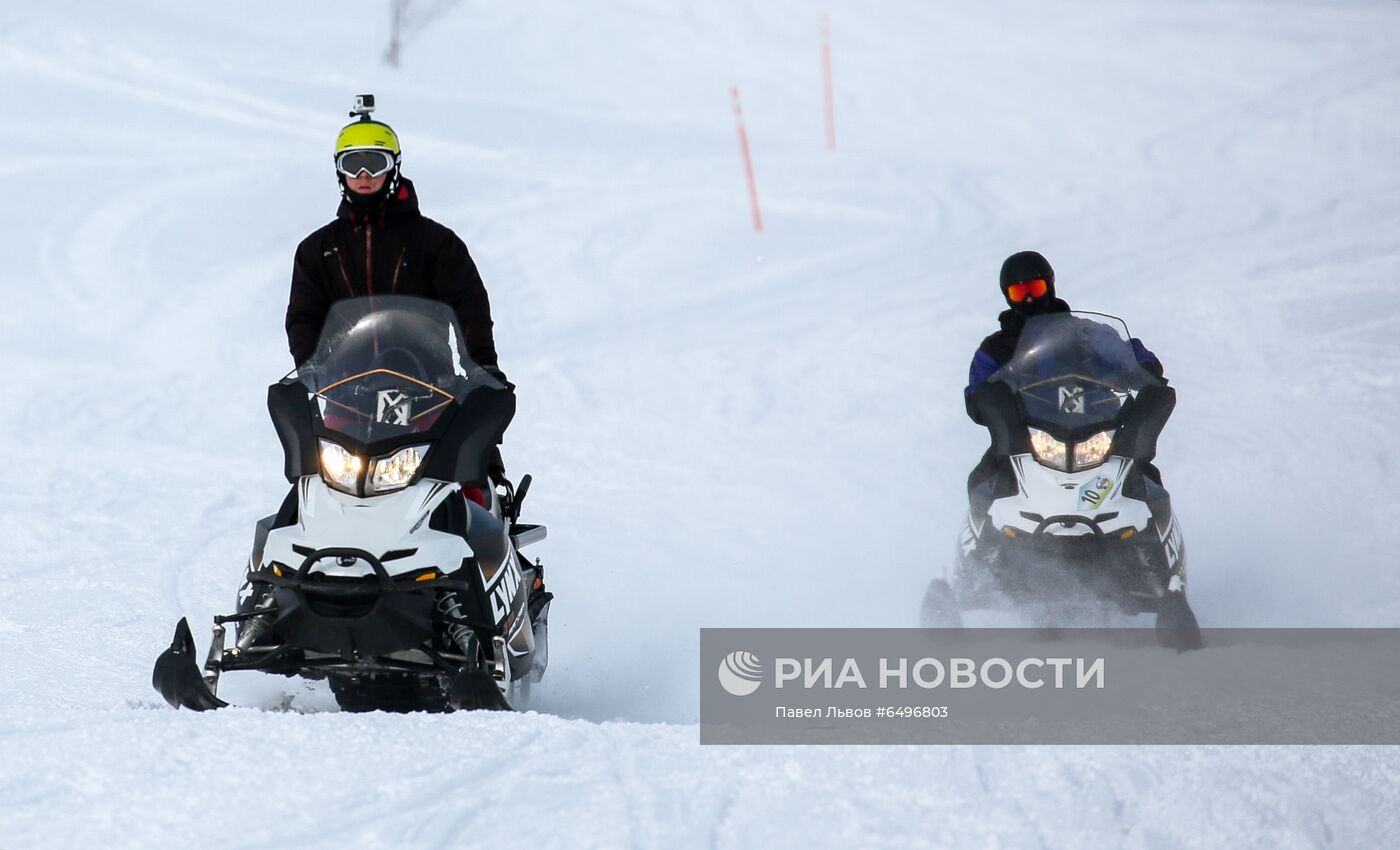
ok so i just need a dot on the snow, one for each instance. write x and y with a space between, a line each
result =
726 429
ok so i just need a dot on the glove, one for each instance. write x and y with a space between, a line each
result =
1146 358
495 372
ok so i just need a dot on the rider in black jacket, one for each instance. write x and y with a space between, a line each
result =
380 244
1028 284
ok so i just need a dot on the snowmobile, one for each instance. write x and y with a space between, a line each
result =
1073 516
392 569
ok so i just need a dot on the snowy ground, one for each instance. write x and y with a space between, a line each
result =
712 416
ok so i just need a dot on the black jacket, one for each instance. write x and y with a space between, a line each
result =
391 250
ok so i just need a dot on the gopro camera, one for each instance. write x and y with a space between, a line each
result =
364 105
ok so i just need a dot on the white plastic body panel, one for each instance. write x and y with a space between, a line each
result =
1089 493
327 518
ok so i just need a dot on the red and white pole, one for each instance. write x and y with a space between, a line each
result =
827 96
748 160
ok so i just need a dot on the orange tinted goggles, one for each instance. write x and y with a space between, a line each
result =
1019 292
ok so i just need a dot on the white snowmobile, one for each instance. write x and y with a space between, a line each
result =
392 568
1073 514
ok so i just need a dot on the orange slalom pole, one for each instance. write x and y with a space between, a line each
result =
748 160
827 96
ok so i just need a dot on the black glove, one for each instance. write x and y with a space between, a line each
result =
495 372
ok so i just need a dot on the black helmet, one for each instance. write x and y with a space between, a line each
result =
1024 267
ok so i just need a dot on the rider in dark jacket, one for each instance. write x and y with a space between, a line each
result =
380 244
1028 284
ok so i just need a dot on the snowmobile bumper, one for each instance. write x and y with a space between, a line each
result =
1131 572
312 624
361 617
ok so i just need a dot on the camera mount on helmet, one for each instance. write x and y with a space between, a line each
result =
364 105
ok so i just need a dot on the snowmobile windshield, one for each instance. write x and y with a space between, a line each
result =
389 366
1072 370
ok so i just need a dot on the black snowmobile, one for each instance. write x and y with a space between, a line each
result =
392 569
1074 514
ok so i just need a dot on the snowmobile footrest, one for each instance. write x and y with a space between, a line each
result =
177 676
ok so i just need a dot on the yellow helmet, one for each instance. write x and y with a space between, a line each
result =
367 135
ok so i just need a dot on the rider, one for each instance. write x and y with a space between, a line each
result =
380 244
1028 284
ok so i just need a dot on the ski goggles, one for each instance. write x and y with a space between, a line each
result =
376 162
1035 288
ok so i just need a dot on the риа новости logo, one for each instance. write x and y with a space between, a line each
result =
740 673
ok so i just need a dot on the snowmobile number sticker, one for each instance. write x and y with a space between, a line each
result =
1095 492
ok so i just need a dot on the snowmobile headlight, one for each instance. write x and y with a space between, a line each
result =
397 470
339 468
1048 450
1093 451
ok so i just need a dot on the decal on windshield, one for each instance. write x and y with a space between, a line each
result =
395 408
1072 400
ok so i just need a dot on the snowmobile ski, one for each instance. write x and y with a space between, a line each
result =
177 676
